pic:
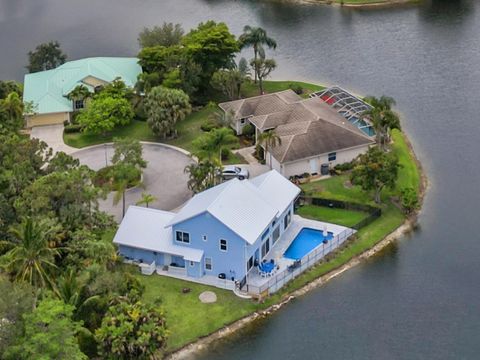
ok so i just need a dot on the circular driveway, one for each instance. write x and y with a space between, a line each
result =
164 176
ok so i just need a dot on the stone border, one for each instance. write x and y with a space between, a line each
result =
407 226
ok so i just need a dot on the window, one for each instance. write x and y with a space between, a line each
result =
265 234
223 245
204 237
242 121
183 237
286 221
276 234
332 156
208 264
192 264
250 263
78 104
265 248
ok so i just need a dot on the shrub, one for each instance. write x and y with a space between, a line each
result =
72 128
345 166
297 88
208 125
410 200
259 153
248 130
225 153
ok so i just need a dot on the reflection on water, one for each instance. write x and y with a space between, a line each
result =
416 300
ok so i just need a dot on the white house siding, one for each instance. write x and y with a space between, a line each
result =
238 126
306 165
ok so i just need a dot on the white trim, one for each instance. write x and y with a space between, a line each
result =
220 245
204 238
211 264
183 233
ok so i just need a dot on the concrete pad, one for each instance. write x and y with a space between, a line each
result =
53 136
208 297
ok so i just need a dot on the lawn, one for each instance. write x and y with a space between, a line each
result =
188 318
251 89
342 217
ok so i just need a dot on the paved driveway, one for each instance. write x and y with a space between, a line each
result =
164 177
53 136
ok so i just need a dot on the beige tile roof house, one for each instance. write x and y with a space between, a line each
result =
314 136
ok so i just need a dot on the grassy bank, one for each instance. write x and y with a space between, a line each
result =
189 319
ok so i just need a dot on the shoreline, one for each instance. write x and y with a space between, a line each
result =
406 227
362 5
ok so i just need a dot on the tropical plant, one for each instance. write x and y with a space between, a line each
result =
123 176
256 37
105 113
32 259
46 56
132 330
128 151
410 201
222 118
13 106
263 68
203 175
165 108
166 35
80 92
211 145
375 170
146 199
269 139
50 333
229 82
383 118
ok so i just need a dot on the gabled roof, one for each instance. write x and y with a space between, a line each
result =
144 228
276 189
261 105
48 89
246 207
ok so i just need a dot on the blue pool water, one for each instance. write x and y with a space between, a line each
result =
306 240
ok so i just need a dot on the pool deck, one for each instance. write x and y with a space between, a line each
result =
282 244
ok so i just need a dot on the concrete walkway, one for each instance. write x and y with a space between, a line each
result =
254 167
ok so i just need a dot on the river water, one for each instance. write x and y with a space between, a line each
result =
421 297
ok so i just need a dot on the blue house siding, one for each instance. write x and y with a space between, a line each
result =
145 256
195 270
232 262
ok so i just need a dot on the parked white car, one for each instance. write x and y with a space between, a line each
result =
230 172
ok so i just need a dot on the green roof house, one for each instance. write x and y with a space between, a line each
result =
48 90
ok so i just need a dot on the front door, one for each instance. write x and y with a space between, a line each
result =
314 166
167 259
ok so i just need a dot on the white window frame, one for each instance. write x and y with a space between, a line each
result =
332 155
220 245
182 237
204 237
211 264
192 263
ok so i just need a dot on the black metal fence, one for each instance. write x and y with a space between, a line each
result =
372 211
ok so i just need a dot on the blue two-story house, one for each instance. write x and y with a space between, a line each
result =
222 231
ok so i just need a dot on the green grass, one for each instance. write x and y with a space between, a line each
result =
335 216
188 318
251 89
409 174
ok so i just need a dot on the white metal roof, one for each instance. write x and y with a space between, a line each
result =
246 207
276 189
144 228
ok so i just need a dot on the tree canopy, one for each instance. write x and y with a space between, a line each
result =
166 35
165 108
46 56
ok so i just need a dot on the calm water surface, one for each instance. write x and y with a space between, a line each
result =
420 298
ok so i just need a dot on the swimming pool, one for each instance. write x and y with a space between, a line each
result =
305 241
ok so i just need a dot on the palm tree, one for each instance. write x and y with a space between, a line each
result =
32 260
256 37
203 175
223 118
146 199
269 139
80 92
123 175
383 118
263 68
13 106
214 143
